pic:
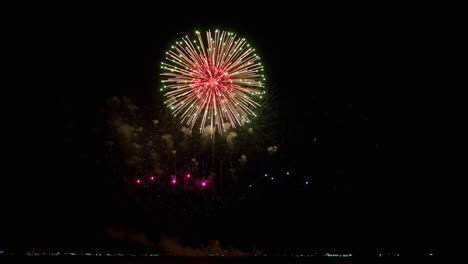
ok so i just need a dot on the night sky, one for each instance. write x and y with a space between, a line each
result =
338 80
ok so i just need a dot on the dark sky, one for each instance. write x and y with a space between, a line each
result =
339 80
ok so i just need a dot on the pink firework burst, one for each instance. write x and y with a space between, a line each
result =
213 80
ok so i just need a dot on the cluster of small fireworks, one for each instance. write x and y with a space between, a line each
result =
266 177
204 183
173 180
216 79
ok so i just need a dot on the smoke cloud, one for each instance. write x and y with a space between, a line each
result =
230 137
187 131
132 107
208 131
167 138
138 238
124 130
174 247
243 160
195 162
272 149
226 126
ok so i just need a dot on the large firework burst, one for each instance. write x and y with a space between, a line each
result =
213 81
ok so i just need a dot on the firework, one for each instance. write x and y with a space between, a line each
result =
213 81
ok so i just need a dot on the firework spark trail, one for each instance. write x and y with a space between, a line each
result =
213 81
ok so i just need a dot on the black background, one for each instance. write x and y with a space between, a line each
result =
343 77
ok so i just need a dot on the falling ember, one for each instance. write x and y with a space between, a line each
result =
138 181
213 80
152 178
203 184
173 181
188 176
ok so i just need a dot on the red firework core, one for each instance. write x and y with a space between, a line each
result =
212 79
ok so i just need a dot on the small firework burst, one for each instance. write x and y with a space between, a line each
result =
213 80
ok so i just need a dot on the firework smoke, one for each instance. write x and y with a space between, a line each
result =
272 149
167 138
187 131
243 159
230 137
174 247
